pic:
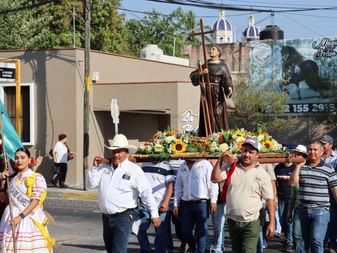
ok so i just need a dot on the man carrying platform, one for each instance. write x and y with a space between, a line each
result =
314 177
119 186
249 184
161 179
195 196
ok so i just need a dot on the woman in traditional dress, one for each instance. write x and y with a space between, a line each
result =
28 191
221 87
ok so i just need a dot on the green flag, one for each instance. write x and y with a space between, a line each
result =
11 138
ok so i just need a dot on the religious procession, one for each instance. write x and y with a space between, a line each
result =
112 140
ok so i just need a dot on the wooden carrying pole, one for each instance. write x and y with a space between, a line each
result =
7 181
263 158
205 111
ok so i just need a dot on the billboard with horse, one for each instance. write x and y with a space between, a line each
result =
304 68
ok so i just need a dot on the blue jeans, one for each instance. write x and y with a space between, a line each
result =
194 215
299 244
116 232
278 228
218 220
332 227
314 224
287 228
161 238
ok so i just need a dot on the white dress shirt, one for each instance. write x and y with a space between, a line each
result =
196 183
119 189
158 175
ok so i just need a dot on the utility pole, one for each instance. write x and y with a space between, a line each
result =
74 25
86 118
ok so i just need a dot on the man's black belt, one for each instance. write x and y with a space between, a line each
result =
197 201
117 214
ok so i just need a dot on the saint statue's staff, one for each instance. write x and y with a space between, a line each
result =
208 85
7 181
205 111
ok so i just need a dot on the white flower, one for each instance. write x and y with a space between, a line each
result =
158 148
213 147
169 150
276 145
223 147
260 137
169 139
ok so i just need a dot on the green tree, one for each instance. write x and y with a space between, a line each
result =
162 30
107 30
191 25
51 26
25 29
261 107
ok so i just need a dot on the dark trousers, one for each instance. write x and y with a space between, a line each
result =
244 235
116 232
194 215
61 173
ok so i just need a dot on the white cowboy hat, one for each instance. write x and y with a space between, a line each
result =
120 141
300 148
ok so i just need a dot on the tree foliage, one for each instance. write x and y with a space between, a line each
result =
261 107
161 30
51 26
22 29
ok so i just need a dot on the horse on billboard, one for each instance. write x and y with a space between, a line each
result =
296 69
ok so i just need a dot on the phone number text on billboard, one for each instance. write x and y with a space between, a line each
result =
315 107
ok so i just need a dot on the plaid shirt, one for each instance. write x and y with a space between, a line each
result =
332 160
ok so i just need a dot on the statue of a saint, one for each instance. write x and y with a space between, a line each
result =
221 87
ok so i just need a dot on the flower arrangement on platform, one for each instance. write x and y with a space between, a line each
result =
232 140
168 142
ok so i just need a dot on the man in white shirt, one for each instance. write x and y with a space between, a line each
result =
119 186
195 196
161 179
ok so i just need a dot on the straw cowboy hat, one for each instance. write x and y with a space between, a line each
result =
120 141
300 148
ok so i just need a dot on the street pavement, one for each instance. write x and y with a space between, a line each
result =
78 224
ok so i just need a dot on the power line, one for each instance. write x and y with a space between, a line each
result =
300 24
275 3
210 5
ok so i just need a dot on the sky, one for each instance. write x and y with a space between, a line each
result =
308 24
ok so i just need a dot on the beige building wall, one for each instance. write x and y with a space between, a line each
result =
53 73
148 93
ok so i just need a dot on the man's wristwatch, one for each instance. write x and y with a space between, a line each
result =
22 215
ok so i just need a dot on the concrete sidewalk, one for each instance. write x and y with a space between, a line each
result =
72 197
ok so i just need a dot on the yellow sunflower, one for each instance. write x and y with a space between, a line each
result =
205 145
239 133
179 147
267 144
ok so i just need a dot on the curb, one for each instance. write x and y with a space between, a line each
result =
72 198
79 195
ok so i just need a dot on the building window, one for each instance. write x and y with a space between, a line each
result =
8 98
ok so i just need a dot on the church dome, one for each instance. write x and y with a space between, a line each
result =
222 24
251 32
